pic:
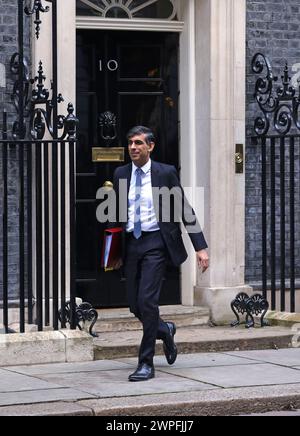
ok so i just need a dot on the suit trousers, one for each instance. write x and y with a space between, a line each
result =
145 265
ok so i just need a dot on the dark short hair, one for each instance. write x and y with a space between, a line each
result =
141 130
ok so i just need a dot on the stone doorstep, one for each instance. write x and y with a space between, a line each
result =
45 347
192 340
284 319
119 320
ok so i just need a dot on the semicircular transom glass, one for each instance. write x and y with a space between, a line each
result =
129 9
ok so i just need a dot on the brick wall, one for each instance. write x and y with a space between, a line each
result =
273 28
9 46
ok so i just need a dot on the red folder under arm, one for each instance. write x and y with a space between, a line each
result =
112 248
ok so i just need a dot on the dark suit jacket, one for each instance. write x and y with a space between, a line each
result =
165 176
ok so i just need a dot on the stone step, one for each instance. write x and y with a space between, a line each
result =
196 340
120 320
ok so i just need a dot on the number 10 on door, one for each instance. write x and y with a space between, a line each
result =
111 65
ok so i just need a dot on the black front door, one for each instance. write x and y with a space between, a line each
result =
134 76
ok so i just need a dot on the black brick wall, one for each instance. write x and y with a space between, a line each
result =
273 28
9 46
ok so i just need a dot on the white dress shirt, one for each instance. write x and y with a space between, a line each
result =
148 216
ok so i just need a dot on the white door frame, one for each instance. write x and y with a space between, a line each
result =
68 23
187 84
123 24
212 115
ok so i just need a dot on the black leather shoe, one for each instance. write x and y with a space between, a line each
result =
170 348
144 372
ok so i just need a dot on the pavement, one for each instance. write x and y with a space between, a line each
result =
203 384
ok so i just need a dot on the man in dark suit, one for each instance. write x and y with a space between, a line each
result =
151 237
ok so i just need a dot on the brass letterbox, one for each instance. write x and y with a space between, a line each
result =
108 154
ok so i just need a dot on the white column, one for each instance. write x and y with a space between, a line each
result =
220 124
42 51
67 86
67 51
188 143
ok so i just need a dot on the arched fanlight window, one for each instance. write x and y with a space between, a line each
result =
130 9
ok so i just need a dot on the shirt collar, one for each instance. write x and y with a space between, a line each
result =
146 168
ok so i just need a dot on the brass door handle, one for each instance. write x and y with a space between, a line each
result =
108 185
239 158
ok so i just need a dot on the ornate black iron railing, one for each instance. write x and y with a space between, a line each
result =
277 131
250 306
280 105
34 257
42 202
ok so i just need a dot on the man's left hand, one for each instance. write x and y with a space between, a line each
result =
203 260
118 265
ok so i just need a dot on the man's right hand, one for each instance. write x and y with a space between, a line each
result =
203 260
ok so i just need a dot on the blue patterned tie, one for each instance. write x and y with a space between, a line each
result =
137 232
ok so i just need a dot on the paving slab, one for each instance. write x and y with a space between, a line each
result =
197 385
42 396
289 357
105 384
12 382
261 374
68 368
198 360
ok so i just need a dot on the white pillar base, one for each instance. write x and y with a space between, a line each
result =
218 300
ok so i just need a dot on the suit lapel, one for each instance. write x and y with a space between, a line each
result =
155 175
156 183
128 177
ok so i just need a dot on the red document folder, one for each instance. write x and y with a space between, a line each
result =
112 248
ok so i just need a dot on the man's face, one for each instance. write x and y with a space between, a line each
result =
139 150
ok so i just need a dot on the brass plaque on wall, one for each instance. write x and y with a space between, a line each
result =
103 154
